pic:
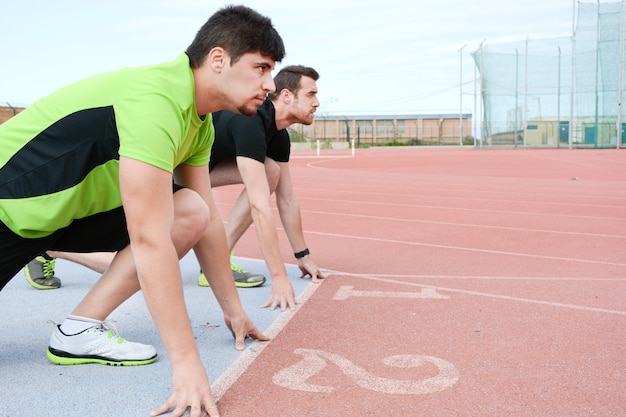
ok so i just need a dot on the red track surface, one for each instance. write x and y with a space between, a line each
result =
463 282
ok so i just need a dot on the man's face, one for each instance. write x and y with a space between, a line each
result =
249 81
305 102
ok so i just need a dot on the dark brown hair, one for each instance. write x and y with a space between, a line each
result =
239 30
289 78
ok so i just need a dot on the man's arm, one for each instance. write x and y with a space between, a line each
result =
163 227
149 207
212 253
258 193
290 216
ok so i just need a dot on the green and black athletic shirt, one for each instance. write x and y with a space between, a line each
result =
59 158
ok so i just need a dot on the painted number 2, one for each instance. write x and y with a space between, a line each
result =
313 361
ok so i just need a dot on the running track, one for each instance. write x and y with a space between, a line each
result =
462 282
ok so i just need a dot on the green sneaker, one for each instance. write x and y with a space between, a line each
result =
243 278
40 274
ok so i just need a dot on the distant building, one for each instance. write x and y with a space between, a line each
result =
372 129
379 129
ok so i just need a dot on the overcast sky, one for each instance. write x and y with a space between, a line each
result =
373 56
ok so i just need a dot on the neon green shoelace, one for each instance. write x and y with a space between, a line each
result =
48 268
236 267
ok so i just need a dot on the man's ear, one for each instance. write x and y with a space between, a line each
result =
218 58
286 95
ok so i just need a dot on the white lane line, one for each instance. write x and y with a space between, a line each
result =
469 225
248 356
480 294
461 248
483 277
347 291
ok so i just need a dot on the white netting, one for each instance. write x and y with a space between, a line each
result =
528 95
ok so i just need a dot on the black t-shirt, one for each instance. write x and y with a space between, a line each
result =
253 137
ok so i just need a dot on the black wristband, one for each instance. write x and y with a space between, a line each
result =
302 254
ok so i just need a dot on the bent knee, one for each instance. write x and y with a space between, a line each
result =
191 211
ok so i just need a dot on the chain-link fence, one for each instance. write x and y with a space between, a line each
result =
560 91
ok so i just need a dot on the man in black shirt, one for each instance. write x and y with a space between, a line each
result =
254 151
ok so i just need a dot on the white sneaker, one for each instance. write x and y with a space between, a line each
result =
99 344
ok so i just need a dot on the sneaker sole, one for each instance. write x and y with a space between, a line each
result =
63 358
39 286
249 284
205 283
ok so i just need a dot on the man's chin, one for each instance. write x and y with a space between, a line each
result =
247 111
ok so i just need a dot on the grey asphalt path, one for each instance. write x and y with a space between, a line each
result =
32 386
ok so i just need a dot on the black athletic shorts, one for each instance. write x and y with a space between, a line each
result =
102 232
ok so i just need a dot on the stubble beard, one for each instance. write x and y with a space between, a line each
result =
308 120
247 110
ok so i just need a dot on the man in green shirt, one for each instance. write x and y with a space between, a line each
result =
119 163
253 151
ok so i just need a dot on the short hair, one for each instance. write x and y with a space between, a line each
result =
239 30
289 78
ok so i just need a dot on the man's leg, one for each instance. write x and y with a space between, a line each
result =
96 261
40 271
240 219
99 342
84 336
16 251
